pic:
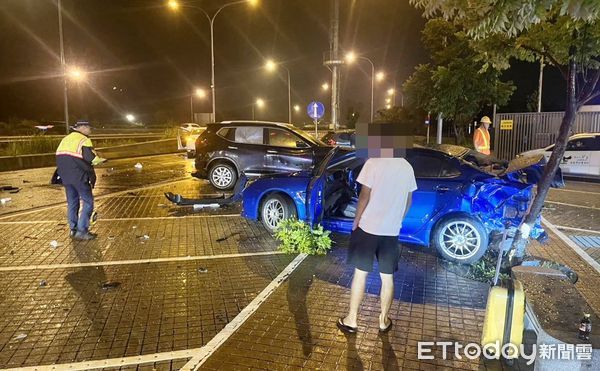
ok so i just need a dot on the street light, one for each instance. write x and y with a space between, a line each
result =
130 117
325 86
199 93
76 74
380 76
260 103
271 66
351 57
392 93
174 5
296 108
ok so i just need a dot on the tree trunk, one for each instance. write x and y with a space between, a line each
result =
558 152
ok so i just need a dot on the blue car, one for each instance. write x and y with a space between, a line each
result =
463 201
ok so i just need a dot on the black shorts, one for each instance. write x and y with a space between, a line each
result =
364 246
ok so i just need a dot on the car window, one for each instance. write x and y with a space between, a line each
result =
284 138
427 165
584 144
249 135
227 133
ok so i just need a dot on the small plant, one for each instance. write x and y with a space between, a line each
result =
295 236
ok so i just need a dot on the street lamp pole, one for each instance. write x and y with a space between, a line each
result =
372 82
63 66
192 107
211 21
289 96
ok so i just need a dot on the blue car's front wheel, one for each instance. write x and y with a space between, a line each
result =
460 239
274 209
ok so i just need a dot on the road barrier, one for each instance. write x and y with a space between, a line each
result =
155 147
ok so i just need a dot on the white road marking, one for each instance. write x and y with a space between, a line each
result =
572 245
576 229
574 191
64 204
127 219
113 362
198 355
572 205
206 351
136 261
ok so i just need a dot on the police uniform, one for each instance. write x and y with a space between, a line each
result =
75 160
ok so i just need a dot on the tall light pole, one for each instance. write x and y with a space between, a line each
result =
351 58
272 66
63 65
175 5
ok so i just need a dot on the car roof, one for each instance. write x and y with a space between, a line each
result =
584 135
257 123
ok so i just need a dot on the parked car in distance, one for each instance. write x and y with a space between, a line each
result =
186 140
227 149
190 127
581 158
342 138
463 199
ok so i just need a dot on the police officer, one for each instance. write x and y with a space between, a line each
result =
481 137
75 161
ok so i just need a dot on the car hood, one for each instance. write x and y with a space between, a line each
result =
529 169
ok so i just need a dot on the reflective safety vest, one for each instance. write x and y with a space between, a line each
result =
72 145
481 140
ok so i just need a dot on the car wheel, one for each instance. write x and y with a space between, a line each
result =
460 239
222 176
274 209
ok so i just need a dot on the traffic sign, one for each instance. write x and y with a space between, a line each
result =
315 110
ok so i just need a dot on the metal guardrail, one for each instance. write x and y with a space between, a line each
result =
25 138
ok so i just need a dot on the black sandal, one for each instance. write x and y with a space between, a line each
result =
388 328
345 328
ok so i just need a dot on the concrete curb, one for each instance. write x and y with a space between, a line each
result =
154 147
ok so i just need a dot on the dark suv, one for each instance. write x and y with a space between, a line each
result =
227 149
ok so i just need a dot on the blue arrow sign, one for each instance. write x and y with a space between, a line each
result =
315 110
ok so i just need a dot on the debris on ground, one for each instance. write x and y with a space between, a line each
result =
205 206
138 166
43 283
227 237
20 337
134 227
202 270
111 237
144 237
162 205
54 244
31 237
26 181
5 200
10 189
108 285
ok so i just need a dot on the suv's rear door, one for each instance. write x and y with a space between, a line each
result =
244 145
286 152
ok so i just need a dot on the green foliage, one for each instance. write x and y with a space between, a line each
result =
484 270
295 237
457 82
37 144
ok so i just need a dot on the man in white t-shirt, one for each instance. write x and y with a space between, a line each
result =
387 184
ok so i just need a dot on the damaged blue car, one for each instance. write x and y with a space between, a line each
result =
464 199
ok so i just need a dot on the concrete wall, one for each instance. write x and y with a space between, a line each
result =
155 147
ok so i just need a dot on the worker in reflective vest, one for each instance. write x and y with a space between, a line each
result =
481 138
75 161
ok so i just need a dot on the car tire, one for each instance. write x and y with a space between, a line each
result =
222 176
275 208
460 239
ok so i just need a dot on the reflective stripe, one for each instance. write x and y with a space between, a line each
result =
69 153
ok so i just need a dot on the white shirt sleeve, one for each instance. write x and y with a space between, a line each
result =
366 174
412 182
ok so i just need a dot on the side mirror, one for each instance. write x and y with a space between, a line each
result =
301 144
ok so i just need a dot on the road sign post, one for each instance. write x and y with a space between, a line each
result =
315 111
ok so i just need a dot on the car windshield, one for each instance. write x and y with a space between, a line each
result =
309 138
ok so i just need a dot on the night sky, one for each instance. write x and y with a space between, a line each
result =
155 57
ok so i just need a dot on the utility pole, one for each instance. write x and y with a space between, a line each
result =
334 61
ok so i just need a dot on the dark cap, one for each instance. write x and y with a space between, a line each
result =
81 123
